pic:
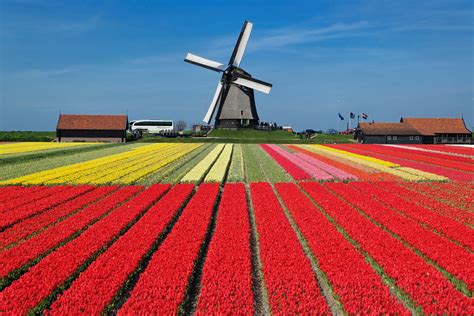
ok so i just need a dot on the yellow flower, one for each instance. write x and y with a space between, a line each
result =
218 170
17 148
125 167
198 172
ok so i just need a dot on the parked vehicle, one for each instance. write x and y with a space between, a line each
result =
151 126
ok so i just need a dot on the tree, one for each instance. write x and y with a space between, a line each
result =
180 125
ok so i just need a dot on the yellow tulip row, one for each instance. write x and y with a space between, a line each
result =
199 171
360 157
218 170
134 174
113 170
75 170
100 170
406 173
23 147
426 175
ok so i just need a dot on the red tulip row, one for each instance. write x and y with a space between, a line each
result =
358 287
448 149
15 257
37 194
43 278
425 157
36 223
453 194
426 286
162 286
226 286
426 211
296 172
18 214
13 192
95 287
442 208
287 273
452 174
429 153
448 255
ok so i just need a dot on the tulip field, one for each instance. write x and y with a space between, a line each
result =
208 228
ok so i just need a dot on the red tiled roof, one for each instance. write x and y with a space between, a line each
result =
432 126
92 122
387 129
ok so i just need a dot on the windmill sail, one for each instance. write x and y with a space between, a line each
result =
241 44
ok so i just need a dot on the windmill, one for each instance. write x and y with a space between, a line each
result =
234 96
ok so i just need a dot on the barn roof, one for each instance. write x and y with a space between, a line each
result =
387 129
92 122
432 126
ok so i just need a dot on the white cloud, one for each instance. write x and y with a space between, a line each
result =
296 36
155 59
40 73
291 36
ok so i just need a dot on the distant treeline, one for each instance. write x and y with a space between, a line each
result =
26 136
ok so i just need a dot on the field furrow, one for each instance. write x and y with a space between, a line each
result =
40 281
226 285
287 273
425 285
95 287
162 287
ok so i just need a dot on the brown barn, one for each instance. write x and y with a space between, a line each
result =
415 131
440 130
92 128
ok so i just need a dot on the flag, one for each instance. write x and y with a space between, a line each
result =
364 116
341 117
352 115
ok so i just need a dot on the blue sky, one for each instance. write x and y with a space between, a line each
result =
385 58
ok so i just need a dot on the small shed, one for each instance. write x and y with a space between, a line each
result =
92 128
387 133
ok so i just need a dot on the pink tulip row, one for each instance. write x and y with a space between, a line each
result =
92 291
315 164
337 173
293 170
52 271
427 287
315 172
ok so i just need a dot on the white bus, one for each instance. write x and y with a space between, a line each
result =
151 126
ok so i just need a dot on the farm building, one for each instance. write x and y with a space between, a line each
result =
92 128
415 131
